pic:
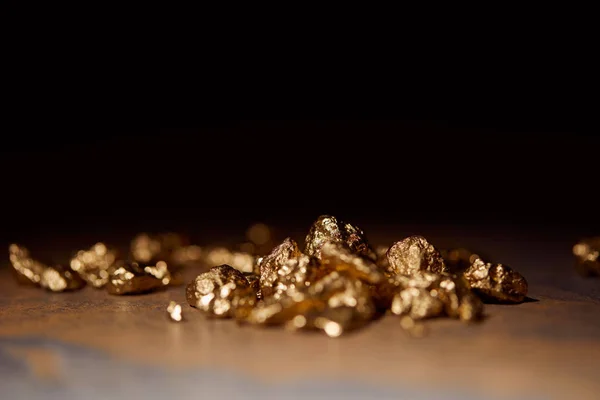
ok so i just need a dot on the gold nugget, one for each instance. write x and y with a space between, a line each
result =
335 303
131 278
28 270
496 282
328 229
296 275
587 257
160 271
425 295
55 279
414 254
174 312
61 279
270 264
94 265
220 291
337 257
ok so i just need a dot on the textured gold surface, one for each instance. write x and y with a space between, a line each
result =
333 304
94 265
174 312
328 229
296 275
131 278
496 282
220 291
270 264
587 256
426 294
338 257
414 254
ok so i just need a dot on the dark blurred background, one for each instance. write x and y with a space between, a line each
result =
538 175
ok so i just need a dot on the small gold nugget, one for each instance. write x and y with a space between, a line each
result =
414 254
425 295
174 312
587 257
220 291
94 265
131 278
160 271
328 229
496 282
270 264
61 279
28 270
55 279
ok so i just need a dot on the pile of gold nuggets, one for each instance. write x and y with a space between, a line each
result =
336 283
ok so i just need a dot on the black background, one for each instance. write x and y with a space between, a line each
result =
225 174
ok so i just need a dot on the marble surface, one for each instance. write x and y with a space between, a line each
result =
90 345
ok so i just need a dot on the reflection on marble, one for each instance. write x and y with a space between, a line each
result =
84 373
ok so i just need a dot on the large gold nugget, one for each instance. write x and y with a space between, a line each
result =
426 295
296 275
328 229
27 270
335 303
220 291
587 257
270 264
337 257
496 282
340 289
414 254
94 265
131 278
